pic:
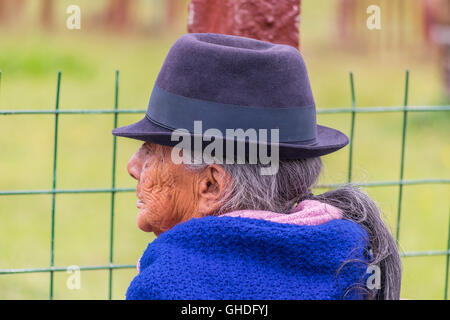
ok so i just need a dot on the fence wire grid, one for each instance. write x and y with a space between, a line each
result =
353 110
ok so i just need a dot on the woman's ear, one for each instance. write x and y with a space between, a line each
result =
211 189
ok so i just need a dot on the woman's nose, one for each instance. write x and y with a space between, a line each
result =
134 166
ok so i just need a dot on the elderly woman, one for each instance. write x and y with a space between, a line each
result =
226 227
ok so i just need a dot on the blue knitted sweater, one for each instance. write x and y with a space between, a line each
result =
241 258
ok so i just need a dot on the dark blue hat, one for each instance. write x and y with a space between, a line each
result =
231 82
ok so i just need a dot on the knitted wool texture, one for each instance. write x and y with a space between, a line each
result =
242 258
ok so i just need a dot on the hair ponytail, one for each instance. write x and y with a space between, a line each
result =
358 207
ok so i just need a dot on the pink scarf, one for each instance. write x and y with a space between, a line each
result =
307 212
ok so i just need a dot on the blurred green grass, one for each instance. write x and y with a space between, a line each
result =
88 61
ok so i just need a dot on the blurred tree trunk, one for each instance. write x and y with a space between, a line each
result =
437 22
118 14
47 13
276 21
3 13
173 10
10 10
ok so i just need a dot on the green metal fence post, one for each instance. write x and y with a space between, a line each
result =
448 259
402 157
113 186
352 128
55 152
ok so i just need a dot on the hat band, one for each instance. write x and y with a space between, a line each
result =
172 111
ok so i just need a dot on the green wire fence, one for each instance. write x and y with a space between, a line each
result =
405 109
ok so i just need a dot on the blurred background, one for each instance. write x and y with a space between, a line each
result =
134 36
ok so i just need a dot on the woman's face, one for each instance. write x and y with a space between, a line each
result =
167 193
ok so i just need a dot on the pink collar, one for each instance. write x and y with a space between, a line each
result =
307 212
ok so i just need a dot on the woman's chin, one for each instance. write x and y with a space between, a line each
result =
142 222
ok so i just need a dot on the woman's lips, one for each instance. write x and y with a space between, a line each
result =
139 204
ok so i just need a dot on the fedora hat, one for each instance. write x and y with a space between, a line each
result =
233 82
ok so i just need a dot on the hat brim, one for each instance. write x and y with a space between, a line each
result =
328 139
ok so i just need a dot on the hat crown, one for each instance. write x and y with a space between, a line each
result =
236 70
229 82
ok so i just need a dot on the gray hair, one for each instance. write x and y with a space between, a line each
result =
249 189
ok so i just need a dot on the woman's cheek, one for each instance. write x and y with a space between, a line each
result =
156 213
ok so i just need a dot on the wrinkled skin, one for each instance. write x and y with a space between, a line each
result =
169 193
